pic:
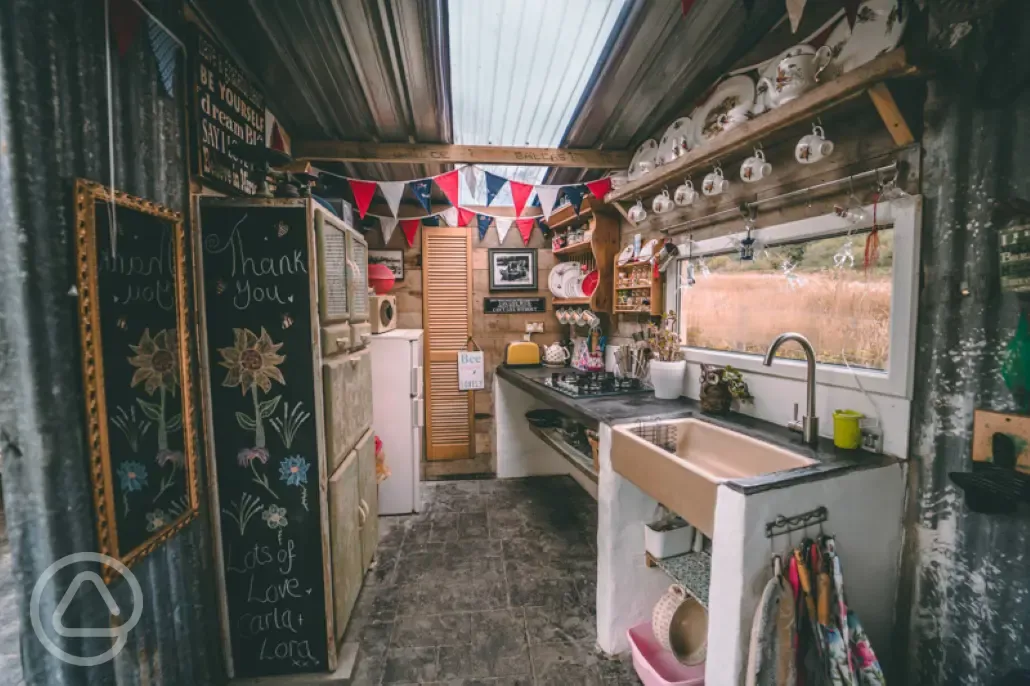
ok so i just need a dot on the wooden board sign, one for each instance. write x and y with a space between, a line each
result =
256 265
228 109
136 370
514 305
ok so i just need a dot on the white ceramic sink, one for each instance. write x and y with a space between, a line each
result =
684 472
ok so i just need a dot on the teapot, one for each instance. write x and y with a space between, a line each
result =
555 354
797 72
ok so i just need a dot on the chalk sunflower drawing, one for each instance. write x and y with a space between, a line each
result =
157 370
132 477
293 471
157 520
275 518
253 363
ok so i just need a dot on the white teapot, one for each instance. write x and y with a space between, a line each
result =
797 72
555 354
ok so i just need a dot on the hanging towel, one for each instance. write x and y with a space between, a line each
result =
771 655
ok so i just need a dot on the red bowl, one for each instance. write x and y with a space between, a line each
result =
380 278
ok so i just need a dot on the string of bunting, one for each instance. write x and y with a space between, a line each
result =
544 196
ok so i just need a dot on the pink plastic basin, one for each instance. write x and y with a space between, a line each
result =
658 667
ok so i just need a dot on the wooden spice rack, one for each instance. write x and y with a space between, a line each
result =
637 279
596 253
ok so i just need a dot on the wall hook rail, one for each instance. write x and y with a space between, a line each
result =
785 525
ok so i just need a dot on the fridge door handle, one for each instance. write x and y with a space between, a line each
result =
418 407
416 382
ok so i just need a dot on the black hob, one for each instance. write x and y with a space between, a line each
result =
591 384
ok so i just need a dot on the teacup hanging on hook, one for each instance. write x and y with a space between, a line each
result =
662 202
715 183
637 213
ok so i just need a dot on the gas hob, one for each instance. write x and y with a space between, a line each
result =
592 384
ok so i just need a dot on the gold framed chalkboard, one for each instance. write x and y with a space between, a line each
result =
135 339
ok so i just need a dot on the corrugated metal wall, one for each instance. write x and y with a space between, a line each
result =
53 128
966 613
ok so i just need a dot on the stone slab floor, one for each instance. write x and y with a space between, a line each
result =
493 584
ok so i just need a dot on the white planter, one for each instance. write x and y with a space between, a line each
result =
662 544
667 378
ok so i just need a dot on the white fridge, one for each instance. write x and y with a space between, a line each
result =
398 411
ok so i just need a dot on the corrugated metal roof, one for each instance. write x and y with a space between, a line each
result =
519 68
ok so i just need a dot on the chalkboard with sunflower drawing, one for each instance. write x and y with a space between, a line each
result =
136 366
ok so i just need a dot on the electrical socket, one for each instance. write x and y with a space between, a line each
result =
534 327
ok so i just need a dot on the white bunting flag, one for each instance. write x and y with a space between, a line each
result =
450 215
795 8
503 224
387 225
392 191
471 182
548 196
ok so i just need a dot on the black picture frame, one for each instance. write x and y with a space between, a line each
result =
512 269
393 259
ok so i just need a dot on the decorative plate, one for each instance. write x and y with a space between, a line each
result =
626 255
590 283
645 160
678 139
554 279
769 71
878 30
728 107
570 284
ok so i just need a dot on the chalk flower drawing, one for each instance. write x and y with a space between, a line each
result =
243 511
157 520
157 369
290 422
253 363
294 472
132 476
275 517
132 427
178 506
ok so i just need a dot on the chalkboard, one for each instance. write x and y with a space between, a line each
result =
514 305
257 294
136 353
228 108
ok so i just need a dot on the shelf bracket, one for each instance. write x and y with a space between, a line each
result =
622 210
891 114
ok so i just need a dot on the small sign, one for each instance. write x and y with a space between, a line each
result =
514 305
470 370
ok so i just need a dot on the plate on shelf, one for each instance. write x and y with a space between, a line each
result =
727 108
571 284
678 139
626 255
555 278
645 160
590 283
647 252
878 30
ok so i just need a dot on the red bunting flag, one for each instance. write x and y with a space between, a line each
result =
600 187
685 5
126 17
363 192
520 193
525 228
448 183
410 228
465 216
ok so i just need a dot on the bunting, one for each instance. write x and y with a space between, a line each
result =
520 193
483 222
548 196
431 220
387 226
125 20
494 184
471 175
410 228
601 187
422 188
392 191
166 53
464 216
448 183
685 5
525 229
450 216
363 192
795 8
574 194
503 226
851 10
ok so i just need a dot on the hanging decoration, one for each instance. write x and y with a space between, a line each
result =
525 229
851 10
410 228
387 226
503 226
483 223
471 175
126 17
363 192
448 183
685 5
450 216
575 196
494 184
795 8
520 193
548 196
165 53
392 191
464 216
421 189
600 187
431 220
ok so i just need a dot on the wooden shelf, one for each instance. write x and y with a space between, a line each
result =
692 571
577 249
580 460
646 310
634 288
570 301
654 285
565 216
604 239
804 109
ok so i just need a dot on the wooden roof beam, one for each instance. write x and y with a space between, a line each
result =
416 153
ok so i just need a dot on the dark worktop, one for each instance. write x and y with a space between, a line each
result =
622 409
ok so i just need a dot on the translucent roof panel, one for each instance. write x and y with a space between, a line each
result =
519 68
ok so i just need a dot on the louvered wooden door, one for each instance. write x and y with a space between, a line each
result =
447 314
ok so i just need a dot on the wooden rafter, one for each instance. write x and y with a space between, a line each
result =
404 153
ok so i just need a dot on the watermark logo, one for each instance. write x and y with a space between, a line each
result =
120 634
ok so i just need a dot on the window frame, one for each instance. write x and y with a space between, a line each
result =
898 379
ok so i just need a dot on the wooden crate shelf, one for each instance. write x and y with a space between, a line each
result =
577 249
654 308
570 301
598 251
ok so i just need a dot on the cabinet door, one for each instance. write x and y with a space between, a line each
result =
348 402
368 491
345 540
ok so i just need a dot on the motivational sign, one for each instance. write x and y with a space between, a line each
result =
258 305
229 109
470 370
514 305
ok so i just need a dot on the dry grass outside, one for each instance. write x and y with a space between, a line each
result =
842 312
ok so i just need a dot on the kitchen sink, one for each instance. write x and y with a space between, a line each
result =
680 463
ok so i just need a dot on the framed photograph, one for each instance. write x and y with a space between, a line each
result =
393 259
512 269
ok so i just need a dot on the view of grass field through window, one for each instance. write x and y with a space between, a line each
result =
843 310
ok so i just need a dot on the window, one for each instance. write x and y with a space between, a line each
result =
861 322
820 288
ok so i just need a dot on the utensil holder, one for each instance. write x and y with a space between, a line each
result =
667 378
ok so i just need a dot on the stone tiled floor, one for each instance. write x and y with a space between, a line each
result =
494 583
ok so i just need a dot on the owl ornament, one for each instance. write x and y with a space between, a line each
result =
715 392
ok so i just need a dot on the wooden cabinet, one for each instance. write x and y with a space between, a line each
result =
345 541
368 494
348 402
